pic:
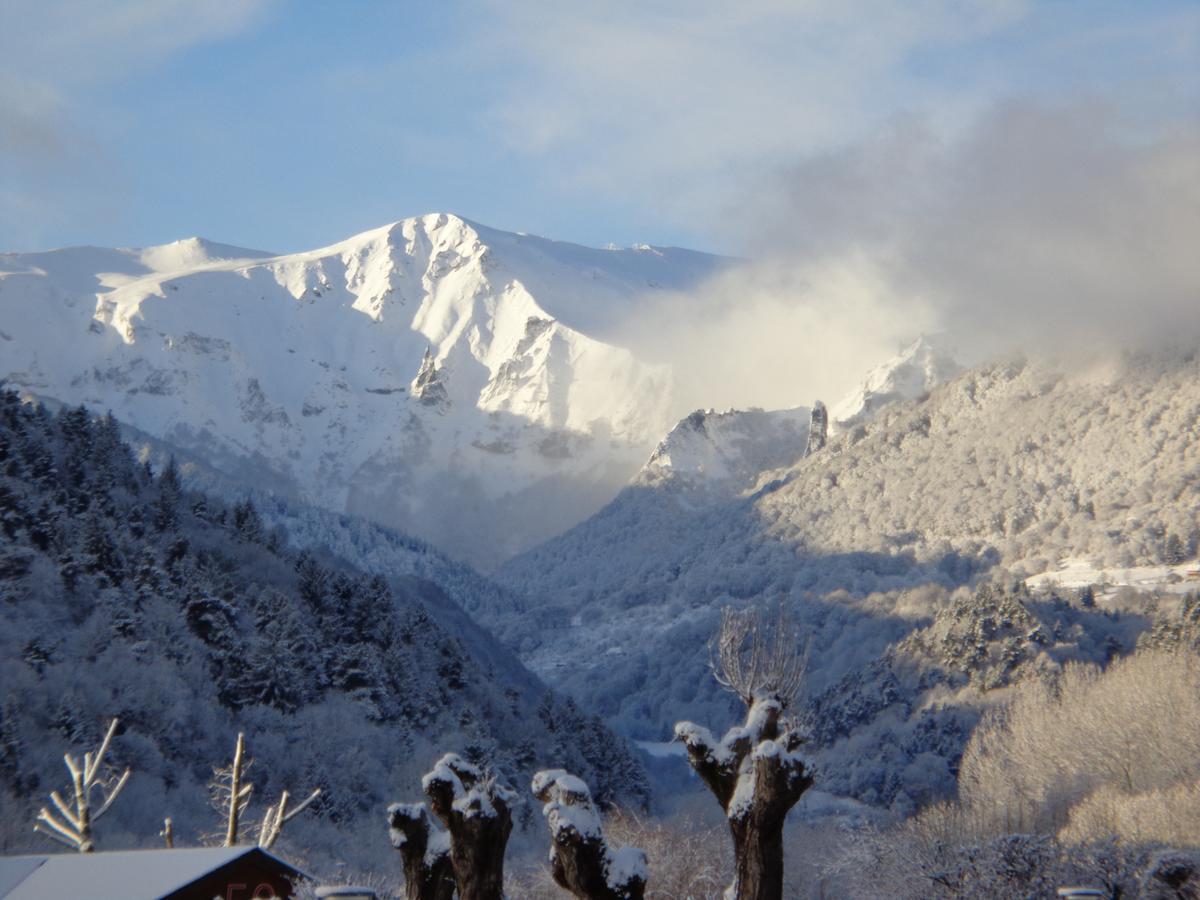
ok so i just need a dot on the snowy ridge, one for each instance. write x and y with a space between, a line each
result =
728 450
1013 466
428 359
912 373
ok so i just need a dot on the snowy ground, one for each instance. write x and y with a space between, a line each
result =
1078 573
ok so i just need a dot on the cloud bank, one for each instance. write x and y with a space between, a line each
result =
1038 228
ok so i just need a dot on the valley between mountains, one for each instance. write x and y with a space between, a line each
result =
440 418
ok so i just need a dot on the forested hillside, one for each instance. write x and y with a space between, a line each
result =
1001 472
123 595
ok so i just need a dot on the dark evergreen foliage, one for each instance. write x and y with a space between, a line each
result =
122 594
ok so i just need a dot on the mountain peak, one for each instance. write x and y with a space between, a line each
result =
192 253
912 373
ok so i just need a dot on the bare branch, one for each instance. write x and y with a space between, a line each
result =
756 658
65 831
77 829
303 806
239 795
42 829
112 795
89 775
64 810
278 815
72 766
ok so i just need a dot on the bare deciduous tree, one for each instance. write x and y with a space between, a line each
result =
72 823
425 849
755 771
1077 754
477 811
580 859
231 794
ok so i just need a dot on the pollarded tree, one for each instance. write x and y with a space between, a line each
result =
580 859
477 811
755 771
425 849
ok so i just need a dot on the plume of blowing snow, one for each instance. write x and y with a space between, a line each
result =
1035 229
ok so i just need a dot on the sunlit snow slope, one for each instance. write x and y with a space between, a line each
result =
454 381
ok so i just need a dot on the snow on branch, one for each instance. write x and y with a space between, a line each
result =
71 822
756 771
231 795
279 815
580 859
230 791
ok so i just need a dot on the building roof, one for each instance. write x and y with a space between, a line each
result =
117 875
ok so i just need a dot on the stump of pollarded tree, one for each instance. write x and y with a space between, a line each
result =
477 812
425 850
755 771
580 859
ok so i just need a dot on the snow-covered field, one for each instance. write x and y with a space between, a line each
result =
1080 573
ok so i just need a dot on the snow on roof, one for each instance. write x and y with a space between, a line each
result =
117 875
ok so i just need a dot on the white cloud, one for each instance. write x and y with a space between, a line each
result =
1037 228
80 42
677 100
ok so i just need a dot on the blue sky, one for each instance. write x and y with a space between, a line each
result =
285 126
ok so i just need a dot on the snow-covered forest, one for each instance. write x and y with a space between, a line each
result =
188 618
125 595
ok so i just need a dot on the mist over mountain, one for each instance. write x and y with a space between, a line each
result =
1003 472
474 389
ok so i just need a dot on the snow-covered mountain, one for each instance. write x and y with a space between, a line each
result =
454 381
1009 468
912 373
722 453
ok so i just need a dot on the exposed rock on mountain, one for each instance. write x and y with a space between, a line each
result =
818 429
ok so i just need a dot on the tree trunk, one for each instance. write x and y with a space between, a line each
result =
476 811
758 855
757 777
580 859
477 847
427 875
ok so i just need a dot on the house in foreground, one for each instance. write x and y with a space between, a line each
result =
195 873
